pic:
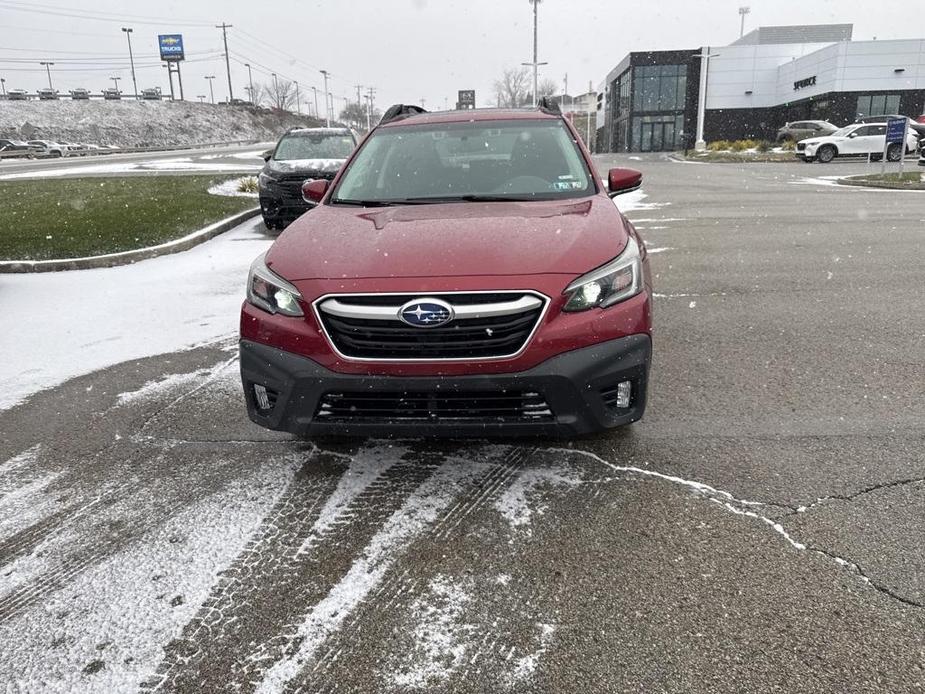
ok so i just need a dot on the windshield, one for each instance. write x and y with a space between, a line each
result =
314 146
843 132
510 159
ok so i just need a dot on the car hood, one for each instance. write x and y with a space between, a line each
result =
305 166
450 240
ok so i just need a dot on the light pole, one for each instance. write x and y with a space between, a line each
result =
705 56
536 64
3 85
276 97
327 108
131 59
315 93
211 90
47 67
298 99
250 80
202 97
742 12
115 81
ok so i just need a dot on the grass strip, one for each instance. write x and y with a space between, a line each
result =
77 217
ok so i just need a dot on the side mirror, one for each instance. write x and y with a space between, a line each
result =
621 181
267 155
853 135
313 191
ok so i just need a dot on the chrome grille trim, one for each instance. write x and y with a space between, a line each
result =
316 310
335 307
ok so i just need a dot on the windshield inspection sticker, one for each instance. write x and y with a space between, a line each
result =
567 185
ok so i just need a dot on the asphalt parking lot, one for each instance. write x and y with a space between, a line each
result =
759 531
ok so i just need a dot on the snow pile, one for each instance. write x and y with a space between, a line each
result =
232 188
142 123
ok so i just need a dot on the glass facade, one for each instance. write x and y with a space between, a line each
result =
877 105
647 108
659 88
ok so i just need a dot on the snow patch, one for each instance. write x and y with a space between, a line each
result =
523 497
108 316
631 202
441 638
526 666
231 188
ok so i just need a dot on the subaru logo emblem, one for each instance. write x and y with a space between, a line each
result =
426 313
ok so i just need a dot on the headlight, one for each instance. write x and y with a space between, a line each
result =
618 280
264 180
271 292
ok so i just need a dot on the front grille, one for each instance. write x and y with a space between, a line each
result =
504 333
290 186
478 406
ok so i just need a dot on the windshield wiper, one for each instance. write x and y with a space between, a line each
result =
364 203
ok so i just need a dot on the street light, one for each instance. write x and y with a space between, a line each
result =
211 90
742 12
536 64
201 97
700 145
250 79
47 67
3 85
115 81
131 59
327 107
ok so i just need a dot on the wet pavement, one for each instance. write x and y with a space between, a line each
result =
760 530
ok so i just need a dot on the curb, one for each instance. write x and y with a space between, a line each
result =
851 182
128 257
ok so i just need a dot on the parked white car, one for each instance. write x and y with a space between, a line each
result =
858 140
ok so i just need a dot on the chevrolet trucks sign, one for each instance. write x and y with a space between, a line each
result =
171 46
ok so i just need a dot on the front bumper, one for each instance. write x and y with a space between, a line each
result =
576 386
281 207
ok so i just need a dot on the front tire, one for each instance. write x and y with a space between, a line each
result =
825 154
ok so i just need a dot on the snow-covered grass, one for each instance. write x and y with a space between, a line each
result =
142 123
71 323
244 187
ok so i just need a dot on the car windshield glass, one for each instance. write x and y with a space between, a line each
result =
517 159
314 146
843 132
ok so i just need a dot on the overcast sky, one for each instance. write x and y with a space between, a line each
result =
407 49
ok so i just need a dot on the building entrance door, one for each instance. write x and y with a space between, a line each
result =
658 136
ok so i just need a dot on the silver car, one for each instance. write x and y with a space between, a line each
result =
802 129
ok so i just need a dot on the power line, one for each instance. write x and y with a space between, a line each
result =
60 11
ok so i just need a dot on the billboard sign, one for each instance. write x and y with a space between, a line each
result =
466 98
171 46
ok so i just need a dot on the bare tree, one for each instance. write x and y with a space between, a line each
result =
355 115
279 94
512 89
548 87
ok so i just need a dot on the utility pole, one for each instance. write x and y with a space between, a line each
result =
276 96
115 81
250 79
315 92
298 101
327 108
131 59
3 85
225 27
742 12
47 66
211 91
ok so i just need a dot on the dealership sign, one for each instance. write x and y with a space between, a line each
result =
802 84
895 130
171 46
466 99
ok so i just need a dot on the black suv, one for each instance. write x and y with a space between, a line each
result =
301 154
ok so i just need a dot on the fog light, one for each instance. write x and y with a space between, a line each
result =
624 392
263 401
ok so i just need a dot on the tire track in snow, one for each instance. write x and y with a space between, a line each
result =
304 547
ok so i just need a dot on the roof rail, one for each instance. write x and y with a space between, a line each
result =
549 105
400 111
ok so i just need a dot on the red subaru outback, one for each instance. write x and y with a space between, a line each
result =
466 273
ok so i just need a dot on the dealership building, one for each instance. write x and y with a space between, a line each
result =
651 101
